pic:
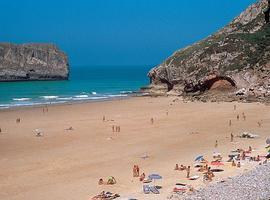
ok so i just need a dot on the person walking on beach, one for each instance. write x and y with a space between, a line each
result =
237 117
112 128
103 119
244 116
134 171
152 120
232 136
216 144
188 171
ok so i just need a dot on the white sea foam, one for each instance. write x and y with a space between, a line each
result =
117 95
65 98
126 92
21 99
81 96
49 97
89 98
94 93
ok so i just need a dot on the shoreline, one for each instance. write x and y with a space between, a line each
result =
70 163
74 102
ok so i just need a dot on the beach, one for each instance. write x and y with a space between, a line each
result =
67 164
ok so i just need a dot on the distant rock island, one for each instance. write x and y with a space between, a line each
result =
232 64
28 62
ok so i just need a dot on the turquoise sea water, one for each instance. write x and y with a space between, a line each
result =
85 84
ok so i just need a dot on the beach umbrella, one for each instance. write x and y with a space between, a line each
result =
155 176
268 141
199 158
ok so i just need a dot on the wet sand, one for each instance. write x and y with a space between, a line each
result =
68 164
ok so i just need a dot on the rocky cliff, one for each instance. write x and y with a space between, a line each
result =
32 62
235 61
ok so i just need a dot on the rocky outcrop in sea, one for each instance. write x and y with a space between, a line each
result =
232 64
32 62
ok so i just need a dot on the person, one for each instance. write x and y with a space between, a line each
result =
216 144
137 171
0 130
134 171
258 158
232 136
244 116
101 182
182 167
237 117
188 171
266 12
176 167
152 120
259 124
18 120
238 164
230 123
111 180
103 119
234 107
113 128
250 149
233 164
70 128
142 177
243 155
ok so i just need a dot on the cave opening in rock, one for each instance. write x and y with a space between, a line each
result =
218 83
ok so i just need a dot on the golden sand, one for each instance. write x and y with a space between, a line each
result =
64 164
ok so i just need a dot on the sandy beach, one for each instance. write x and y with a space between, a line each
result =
67 164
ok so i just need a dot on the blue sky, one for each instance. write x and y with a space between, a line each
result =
115 32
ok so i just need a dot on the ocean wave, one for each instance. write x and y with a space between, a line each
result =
49 97
126 92
89 98
117 95
64 98
21 99
94 93
82 96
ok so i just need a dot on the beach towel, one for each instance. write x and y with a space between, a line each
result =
154 190
194 177
146 189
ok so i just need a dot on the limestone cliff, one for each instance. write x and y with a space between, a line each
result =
236 57
32 62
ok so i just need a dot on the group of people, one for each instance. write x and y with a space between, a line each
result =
243 116
111 181
136 173
116 128
183 168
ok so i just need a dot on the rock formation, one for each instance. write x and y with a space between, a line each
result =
32 62
235 61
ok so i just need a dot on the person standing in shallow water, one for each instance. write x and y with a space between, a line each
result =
266 12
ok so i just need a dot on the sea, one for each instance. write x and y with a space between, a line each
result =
86 83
